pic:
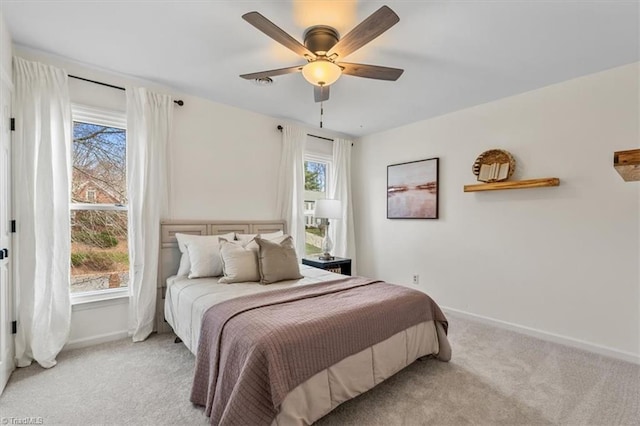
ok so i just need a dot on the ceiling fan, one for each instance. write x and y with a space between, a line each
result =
324 50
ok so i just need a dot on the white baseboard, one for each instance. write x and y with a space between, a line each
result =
95 340
550 337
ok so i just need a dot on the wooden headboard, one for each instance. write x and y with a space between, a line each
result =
169 256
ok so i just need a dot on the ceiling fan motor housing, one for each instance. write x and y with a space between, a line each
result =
320 38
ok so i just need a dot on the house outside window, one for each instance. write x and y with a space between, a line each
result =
98 211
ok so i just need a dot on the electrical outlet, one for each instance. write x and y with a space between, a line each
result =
416 279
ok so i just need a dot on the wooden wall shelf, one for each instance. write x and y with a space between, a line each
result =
627 163
514 184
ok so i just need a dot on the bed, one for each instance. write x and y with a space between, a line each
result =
185 302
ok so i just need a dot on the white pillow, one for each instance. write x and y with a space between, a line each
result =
183 239
185 264
247 238
240 264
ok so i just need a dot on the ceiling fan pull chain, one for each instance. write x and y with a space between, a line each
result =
321 113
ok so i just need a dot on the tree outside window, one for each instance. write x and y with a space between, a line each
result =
99 223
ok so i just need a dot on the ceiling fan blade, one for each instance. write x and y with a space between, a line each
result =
371 71
271 73
377 23
277 33
320 93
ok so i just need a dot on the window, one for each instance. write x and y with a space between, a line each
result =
98 210
316 171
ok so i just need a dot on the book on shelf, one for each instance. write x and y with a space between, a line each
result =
493 172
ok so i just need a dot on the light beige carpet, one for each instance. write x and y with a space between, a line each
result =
496 377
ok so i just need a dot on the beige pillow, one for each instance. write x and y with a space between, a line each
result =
277 261
239 264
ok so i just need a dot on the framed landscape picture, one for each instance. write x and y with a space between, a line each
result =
412 190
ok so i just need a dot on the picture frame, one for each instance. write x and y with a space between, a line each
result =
412 189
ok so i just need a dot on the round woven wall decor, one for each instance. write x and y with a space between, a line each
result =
494 156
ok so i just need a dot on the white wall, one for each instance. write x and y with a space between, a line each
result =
224 163
562 261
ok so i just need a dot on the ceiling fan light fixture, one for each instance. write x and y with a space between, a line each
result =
321 72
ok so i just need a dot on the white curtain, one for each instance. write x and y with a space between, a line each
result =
291 184
41 147
342 231
149 117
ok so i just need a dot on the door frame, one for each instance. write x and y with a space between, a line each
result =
7 290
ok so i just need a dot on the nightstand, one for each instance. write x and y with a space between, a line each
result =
339 265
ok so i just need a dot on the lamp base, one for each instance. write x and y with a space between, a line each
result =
326 256
327 245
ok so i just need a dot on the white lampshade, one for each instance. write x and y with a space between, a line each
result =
321 72
328 209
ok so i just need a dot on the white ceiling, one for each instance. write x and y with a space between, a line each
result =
455 54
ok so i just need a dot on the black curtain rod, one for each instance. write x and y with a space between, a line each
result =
179 102
309 134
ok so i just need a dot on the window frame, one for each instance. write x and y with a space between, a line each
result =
101 117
